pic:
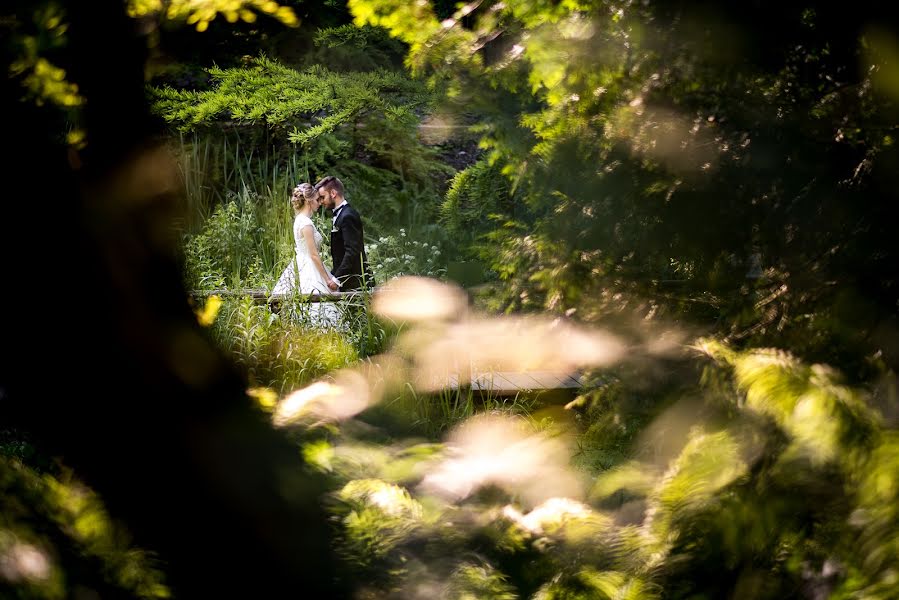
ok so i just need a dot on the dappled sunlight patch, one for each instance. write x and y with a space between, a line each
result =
877 515
379 375
21 562
670 342
633 477
324 401
350 391
500 451
685 146
420 300
818 412
444 344
390 499
201 13
562 520
299 403
881 48
509 344
358 460
380 516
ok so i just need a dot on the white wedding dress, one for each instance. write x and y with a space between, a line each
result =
301 277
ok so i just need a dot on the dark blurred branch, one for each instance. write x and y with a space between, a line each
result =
115 374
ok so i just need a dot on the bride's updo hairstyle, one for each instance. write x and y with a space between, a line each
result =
302 193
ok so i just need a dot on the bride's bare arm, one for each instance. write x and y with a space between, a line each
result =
313 253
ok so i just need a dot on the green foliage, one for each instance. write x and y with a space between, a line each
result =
246 239
690 143
360 127
349 48
201 14
225 252
56 540
478 199
615 413
380 516
738 501
396 255
470 581
277 352
588 583
302 105
435 414
387 201
244 167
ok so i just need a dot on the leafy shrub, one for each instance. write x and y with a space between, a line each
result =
225 253
351 48
778 481
57 541
392 256
474 195
276 351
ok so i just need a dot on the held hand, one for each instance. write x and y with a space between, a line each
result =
332 285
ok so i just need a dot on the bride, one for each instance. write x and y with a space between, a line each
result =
306 274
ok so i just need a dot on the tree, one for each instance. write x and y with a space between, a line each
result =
111 369
665 149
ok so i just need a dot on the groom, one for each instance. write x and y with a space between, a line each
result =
350 270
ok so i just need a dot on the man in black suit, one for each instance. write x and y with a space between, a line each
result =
350 270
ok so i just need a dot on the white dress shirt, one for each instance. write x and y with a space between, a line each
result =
337 211
334 220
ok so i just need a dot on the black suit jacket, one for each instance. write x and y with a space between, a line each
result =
347 250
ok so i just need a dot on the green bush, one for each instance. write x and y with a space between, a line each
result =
276 351
57 541
475 195
779 478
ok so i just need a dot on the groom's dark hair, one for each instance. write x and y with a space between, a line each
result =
330 183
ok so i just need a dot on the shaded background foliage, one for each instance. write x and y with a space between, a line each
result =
686 142
729 168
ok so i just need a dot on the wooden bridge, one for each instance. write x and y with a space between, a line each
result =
261 296
505 383
510 383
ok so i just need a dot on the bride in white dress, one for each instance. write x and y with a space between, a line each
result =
306 274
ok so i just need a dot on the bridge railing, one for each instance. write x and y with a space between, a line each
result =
262 296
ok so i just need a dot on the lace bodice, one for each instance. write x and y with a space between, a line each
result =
299 223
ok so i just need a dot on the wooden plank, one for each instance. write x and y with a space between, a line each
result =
504 382
511 382
549 380
488 382
453 382
571 381
520 382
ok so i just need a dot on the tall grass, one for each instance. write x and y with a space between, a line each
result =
433 414
215 169
237 216
276 351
